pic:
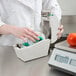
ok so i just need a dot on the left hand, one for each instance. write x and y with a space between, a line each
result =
59 34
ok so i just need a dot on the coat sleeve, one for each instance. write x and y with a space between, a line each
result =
1 22
53 6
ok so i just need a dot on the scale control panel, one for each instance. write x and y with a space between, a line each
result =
63 59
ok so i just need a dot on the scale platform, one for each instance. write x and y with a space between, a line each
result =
63 58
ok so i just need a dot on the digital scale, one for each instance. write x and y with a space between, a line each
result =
63 58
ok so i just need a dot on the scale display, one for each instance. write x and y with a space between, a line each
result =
61 59
73 62
65 59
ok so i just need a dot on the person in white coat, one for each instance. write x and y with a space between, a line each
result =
21 18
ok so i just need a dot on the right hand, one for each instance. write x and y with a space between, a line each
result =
61 30
19 32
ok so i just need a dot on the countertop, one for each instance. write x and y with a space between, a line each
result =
10 65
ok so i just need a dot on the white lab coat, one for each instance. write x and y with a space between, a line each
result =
24 13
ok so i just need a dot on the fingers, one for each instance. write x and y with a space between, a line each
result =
32 32
24 39
29 34
60 31
61 27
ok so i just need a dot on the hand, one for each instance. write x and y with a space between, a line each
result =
20 32
60 31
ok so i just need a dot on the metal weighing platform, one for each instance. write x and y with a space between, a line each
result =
63 58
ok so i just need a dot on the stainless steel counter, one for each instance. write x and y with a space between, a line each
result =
10 65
